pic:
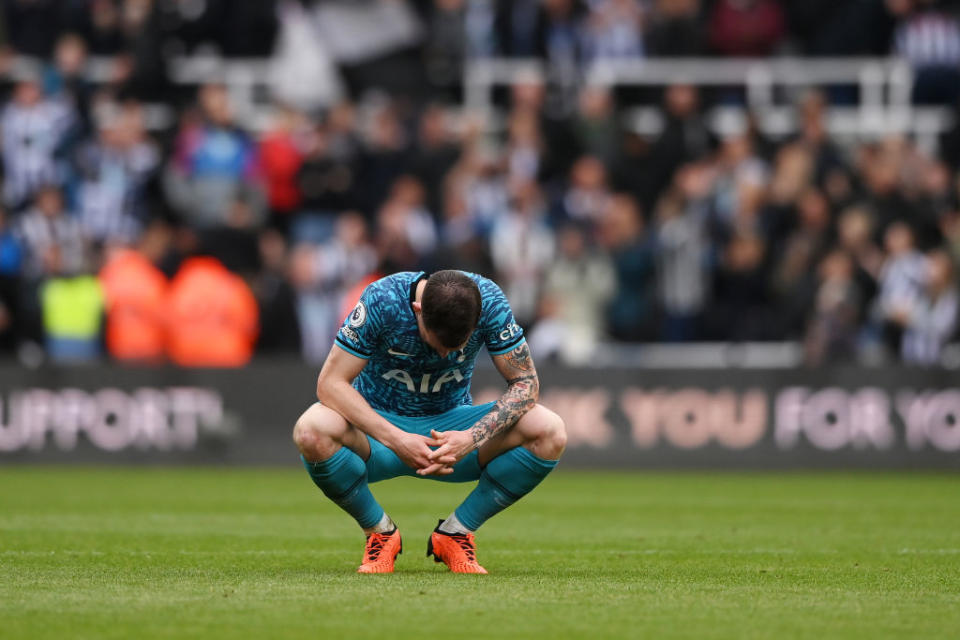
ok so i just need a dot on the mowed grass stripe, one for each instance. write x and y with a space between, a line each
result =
208 553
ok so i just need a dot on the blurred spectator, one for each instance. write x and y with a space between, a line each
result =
525 145
684 138
614 29
740 188
72 307
406 233
234 243
834 322
683 253
522 248
135 293
143 29
280 159
880 166
792 173
855 236
587 194
326 182
435 154
746 28
902 280
632 311
596 124
214 163
65 80
34 131
480 17
322 274
475 196
803 248
548 127
211 316
929 38
932 319
279 326
581 282
447 42
114 171
562 33
740 306
385 156
53 239
520 28
675 29
814 137
103 28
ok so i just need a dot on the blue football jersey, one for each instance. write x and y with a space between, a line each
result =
404 375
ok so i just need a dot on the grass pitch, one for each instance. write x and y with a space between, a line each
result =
173 553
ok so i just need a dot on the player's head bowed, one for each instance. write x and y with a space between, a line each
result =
450 307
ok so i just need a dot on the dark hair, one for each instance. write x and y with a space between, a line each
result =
450 307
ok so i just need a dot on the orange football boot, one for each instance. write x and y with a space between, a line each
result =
381 552
458 551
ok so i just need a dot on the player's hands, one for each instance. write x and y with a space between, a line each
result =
415 452
452 447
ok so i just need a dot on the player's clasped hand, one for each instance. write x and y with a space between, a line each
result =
415 452
452 446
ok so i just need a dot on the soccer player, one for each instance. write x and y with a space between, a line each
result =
395 400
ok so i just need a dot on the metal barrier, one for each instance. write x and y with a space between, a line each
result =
884 91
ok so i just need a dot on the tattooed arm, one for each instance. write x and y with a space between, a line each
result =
521 395
523 390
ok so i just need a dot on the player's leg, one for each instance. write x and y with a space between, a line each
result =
513 463
333 453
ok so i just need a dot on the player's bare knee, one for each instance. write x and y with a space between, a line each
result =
550 435
313 441
555 436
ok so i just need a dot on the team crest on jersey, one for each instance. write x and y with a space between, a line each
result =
358 316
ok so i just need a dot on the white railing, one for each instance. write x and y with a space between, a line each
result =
883 108
884 90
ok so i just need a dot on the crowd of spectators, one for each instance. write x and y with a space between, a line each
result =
215 240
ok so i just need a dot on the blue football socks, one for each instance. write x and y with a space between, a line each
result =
343 478
506 479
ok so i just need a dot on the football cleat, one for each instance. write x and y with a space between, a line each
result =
381 552
458 551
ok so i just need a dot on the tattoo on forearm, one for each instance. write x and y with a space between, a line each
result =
519 398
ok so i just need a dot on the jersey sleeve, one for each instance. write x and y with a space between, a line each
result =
360 331
501 333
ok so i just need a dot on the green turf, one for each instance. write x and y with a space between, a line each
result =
260 554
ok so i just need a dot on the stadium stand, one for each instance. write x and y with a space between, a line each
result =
798 188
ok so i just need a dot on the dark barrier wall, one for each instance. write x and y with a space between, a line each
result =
837 418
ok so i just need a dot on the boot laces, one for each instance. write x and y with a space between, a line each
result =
375 546
467 545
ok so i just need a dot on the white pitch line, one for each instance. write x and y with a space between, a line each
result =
185 552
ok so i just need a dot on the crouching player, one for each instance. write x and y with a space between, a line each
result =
395 400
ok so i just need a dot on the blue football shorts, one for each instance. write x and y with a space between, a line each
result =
384 464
